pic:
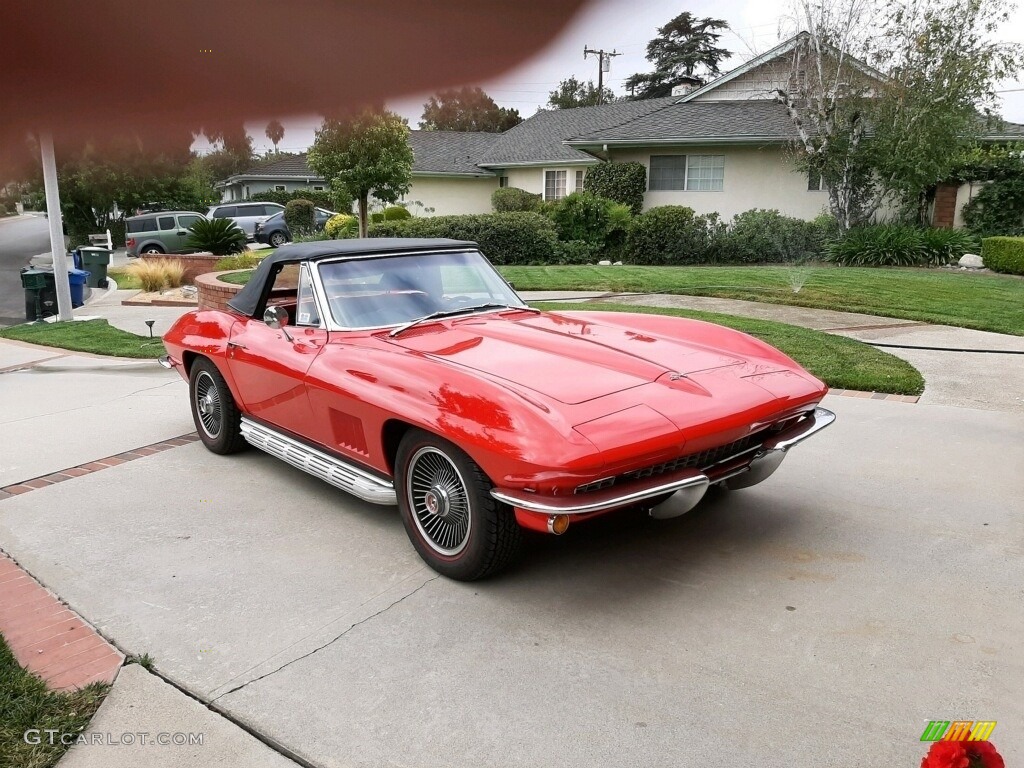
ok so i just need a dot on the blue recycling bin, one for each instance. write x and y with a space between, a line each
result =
77 278
76 256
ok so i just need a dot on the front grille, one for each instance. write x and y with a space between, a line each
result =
700 460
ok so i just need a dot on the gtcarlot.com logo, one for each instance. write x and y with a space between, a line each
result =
53 736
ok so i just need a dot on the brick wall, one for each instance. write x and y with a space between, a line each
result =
195 263
212 293
944 207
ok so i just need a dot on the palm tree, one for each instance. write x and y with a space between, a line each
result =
275 132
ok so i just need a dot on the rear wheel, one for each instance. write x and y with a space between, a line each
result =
454 523
153 249
216 415
277 239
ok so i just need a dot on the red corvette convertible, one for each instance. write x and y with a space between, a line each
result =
408 371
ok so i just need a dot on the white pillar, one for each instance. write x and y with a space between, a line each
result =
57 249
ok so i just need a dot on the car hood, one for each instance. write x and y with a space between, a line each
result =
567 359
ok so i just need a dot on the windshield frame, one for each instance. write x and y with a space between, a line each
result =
333 323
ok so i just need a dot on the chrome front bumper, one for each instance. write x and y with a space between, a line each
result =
733 473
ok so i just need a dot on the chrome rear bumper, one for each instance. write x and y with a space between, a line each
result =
738 472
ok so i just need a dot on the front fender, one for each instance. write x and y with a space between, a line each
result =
202 333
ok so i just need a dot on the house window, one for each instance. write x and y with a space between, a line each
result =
279 187
318 189
503 181
813 180
579 180
554 184
668 172
705 173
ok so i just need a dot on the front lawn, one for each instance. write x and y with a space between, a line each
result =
985 302
840 362
96 336
26 704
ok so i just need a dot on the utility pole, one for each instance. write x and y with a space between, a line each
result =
605 59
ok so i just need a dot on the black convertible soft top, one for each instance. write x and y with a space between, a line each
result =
248 299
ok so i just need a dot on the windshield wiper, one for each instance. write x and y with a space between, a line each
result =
459 311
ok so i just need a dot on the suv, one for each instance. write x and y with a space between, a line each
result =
163 232
245 215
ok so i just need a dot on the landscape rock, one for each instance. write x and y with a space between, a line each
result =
618 264
971 261
604 263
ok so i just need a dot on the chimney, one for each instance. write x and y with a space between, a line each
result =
686 85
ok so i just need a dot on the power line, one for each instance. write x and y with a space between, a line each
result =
604 65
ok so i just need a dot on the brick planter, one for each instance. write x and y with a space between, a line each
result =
195 263
213 294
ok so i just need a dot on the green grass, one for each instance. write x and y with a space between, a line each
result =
984 302
840 362
26 703
95 336
237 278
125 280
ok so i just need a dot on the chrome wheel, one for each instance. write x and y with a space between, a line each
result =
278 239
208 405
439 501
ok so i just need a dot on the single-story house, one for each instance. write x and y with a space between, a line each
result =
723 147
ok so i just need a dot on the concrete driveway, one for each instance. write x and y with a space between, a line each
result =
821 618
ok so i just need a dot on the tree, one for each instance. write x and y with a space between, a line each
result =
884 103
364 155
233 148
573 93
467 109
274 132
685 48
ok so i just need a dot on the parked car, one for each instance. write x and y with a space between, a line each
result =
409 372
274 230
163 232
245 215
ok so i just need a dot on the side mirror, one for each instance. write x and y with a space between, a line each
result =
276 317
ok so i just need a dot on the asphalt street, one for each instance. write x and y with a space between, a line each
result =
21 238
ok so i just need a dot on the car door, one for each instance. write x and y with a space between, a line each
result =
185 222
269 365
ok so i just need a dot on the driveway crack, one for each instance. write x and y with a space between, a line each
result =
329 643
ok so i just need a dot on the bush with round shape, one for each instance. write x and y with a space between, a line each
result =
300 216
515 200
624 183
760 236
319 198
1004 254
396 213
220 237
671 234
341 225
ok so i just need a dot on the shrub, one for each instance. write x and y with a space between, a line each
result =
582 216
218 236
151 273
576 252
505 238
672 234
515 200
998 209
3 209
899 245
174 273
341 226
396 213
246 260
300 216
766 236
624 183
376 218
319 198
1004 254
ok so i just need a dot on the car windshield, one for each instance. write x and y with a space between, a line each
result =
394 290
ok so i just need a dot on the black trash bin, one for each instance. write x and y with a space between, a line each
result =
40 293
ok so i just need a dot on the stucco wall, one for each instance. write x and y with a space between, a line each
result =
755 177
964 195
450 195
532 179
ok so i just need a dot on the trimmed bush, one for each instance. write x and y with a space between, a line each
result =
899 245
576 252
998 209
672 234
763 236
515 200
341 226
505 238
582 216
300 216
624 183
317 197
396 213
220 237
1004 254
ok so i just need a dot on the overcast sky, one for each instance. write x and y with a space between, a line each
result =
625 26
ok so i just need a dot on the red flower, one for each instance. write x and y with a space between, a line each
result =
962 754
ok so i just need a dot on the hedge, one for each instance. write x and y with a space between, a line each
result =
672 234
319 198
505 238
515 200
622 182
300 216
1004 254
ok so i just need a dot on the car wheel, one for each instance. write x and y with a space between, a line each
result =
153 249
454 523
217 417
277 239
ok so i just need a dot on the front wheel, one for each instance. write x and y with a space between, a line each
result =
277 239
217 417
454 523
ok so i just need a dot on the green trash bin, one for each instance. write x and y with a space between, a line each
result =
95 261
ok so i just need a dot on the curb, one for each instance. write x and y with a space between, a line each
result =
95 297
